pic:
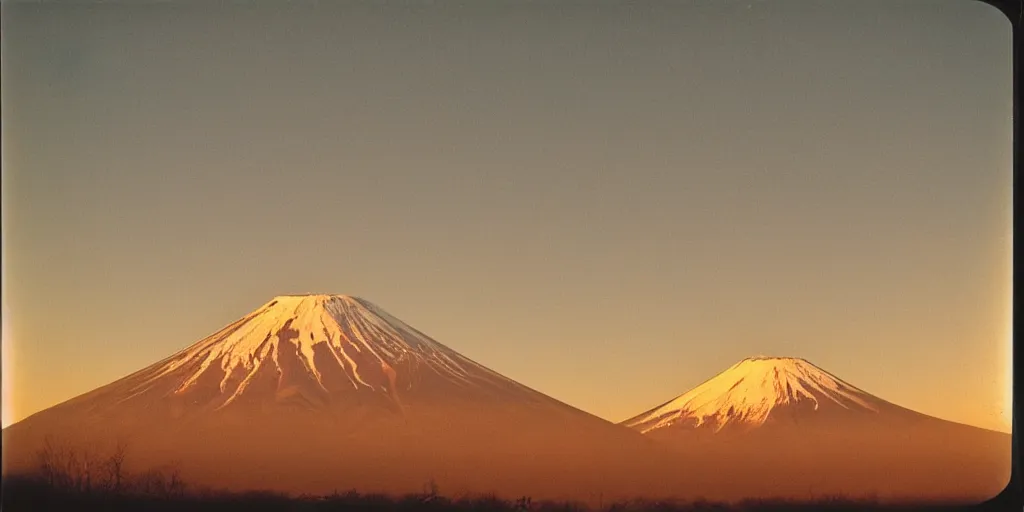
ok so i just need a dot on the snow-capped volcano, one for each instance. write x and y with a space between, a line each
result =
755 391
314 393
820 434
321 345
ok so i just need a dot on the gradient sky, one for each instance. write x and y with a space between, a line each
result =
609 203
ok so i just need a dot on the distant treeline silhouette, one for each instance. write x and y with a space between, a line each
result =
69 479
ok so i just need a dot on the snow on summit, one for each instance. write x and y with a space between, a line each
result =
321 345
754 390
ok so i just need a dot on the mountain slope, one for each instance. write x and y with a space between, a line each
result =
820 435
321 392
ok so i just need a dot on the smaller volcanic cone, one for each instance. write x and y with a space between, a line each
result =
783 427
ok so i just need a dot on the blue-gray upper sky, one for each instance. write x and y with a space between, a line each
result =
607 202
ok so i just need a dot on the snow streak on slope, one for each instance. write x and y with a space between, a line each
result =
747 393
360 337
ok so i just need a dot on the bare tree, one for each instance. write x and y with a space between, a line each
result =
71 476
87 466
59 465
63 467
49 463
114 467
175 485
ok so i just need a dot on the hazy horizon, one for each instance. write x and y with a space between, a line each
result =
609 204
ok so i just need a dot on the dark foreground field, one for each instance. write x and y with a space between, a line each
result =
66 479
167 494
